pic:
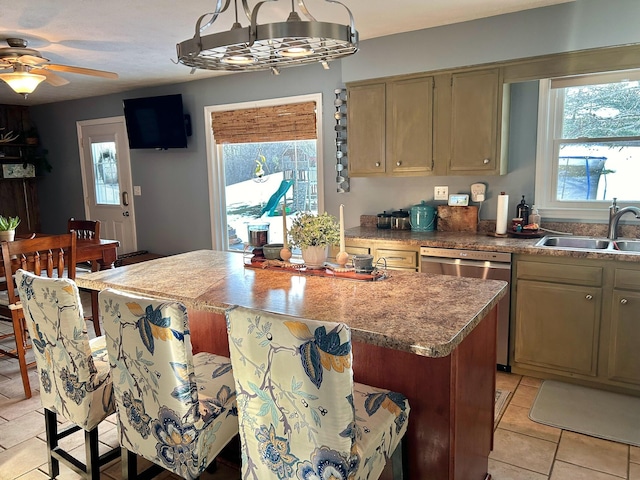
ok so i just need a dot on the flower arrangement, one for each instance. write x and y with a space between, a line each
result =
309 230
8 223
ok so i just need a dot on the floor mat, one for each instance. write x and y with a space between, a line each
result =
607 415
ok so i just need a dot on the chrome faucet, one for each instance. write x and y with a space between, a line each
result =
614 218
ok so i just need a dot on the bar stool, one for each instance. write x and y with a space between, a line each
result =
175 409
301 414
75 380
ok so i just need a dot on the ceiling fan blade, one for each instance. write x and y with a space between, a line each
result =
81 71
52 78
32 60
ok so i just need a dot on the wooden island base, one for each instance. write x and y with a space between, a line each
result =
450 431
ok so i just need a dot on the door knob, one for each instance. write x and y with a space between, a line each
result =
589 297
125 214
624 301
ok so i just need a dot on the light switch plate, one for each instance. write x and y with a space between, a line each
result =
440 193
137 191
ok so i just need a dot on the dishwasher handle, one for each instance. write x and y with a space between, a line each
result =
466 263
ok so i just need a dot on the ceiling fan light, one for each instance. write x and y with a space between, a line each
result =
22 82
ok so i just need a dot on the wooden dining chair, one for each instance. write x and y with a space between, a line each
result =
51 256
89 229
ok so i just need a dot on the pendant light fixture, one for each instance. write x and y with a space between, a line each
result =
270 45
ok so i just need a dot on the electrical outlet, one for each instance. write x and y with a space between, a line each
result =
478 192
441 193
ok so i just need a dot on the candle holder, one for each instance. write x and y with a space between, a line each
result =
342 258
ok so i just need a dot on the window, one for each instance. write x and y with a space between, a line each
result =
265 154
588 144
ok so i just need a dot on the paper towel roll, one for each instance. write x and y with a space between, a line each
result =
502 214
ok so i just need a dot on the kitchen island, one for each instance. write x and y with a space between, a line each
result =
431 337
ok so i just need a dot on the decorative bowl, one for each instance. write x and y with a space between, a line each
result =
272 250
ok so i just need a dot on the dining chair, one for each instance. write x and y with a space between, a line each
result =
75 379
175 409
301 414
46 255
89 229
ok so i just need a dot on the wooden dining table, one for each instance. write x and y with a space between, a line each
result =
100 249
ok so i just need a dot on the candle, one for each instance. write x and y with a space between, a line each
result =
284 223
342 247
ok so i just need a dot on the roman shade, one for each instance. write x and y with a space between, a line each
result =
295 121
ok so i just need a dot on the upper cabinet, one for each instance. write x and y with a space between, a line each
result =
477 126
451 123
390 127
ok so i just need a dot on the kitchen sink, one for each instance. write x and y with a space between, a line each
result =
626 245
590 243
574 243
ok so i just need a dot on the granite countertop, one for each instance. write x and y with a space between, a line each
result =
420 313
481 241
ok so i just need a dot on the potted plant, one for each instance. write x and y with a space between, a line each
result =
313 234
8 227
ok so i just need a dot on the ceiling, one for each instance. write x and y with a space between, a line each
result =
137 39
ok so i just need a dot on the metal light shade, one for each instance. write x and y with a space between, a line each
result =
22 82
271 45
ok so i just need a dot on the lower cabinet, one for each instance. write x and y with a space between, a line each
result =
577 319
391 254
624 341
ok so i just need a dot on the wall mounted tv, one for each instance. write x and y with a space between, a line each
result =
156 122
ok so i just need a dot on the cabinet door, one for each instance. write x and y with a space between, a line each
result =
19 197
410 126
366 129
557 326
475 103
624 344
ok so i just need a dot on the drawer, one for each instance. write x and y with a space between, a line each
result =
560 273
351 250
398 258
627 279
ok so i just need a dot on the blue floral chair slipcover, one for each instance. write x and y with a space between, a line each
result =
301 414
175 409
75 379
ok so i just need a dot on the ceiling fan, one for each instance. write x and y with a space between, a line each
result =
29 68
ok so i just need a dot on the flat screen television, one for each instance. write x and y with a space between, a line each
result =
156 122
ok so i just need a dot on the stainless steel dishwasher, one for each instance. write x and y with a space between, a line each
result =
475 264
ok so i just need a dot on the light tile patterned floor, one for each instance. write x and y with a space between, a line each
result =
526 450
523 450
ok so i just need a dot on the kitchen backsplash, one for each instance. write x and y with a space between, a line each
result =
575 228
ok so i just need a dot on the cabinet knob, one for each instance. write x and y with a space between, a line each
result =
398 164
624 301
486 160
377 164
589 297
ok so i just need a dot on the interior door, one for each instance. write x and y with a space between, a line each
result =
106 179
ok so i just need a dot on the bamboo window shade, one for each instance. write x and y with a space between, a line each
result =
295 121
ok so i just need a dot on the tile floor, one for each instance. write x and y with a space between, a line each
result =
523 450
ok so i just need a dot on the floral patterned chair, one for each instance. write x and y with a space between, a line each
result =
75 380
301 414
175 409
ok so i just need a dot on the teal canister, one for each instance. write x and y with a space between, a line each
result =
423 217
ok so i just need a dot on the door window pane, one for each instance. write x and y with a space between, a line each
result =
105 173
258 179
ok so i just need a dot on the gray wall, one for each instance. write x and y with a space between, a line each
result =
173 212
